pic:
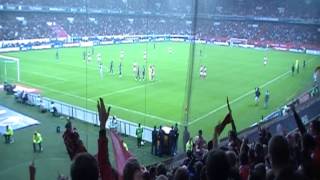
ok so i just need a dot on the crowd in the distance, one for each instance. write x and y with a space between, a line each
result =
270 8
45 26
280 156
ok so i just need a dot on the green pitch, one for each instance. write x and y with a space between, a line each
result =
233 72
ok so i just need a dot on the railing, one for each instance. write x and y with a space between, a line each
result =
121 126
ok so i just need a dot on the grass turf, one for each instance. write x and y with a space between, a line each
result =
232 72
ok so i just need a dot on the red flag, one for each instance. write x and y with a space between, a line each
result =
228 104
120 153
232 122
228 119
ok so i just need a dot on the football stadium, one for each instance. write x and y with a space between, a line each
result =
170 89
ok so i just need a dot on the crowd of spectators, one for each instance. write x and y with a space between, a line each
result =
37 25
262 32
26 26
270 8
280 156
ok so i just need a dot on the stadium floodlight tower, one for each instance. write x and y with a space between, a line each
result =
5 63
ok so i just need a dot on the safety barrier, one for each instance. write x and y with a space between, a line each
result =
120 125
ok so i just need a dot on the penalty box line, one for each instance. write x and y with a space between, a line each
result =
95 101
238 98
125 90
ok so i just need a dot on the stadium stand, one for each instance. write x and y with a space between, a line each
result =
37 25
271 8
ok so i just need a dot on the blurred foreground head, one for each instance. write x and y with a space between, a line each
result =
84 167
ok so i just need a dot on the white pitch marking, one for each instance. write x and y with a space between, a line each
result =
44 75
124 90
94 101
237 99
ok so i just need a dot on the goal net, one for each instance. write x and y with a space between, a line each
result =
237 41
9 69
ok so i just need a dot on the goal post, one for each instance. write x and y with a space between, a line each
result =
237 41
9 69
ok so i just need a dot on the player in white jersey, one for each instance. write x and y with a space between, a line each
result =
150 72
121 55
204 72
89 57
265 60
145 56
98 57
134 69
101 70
201 71
153 72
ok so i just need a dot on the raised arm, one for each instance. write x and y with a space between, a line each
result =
232 122
298 120
32 171
103 152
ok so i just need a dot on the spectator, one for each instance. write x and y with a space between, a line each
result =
146 176
233 162
132 170
32 171
280 162
161 141
38 100
189 161
37 141
244 168
162 177
161 170
190 145
42 107
315 132
154 146
198 166
217 165
172 141
181 174
200 144
186 137
8 135
139 133
53 109
72 141
24 97
308 145
176 132
153 172
84 167
258 173
105 169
